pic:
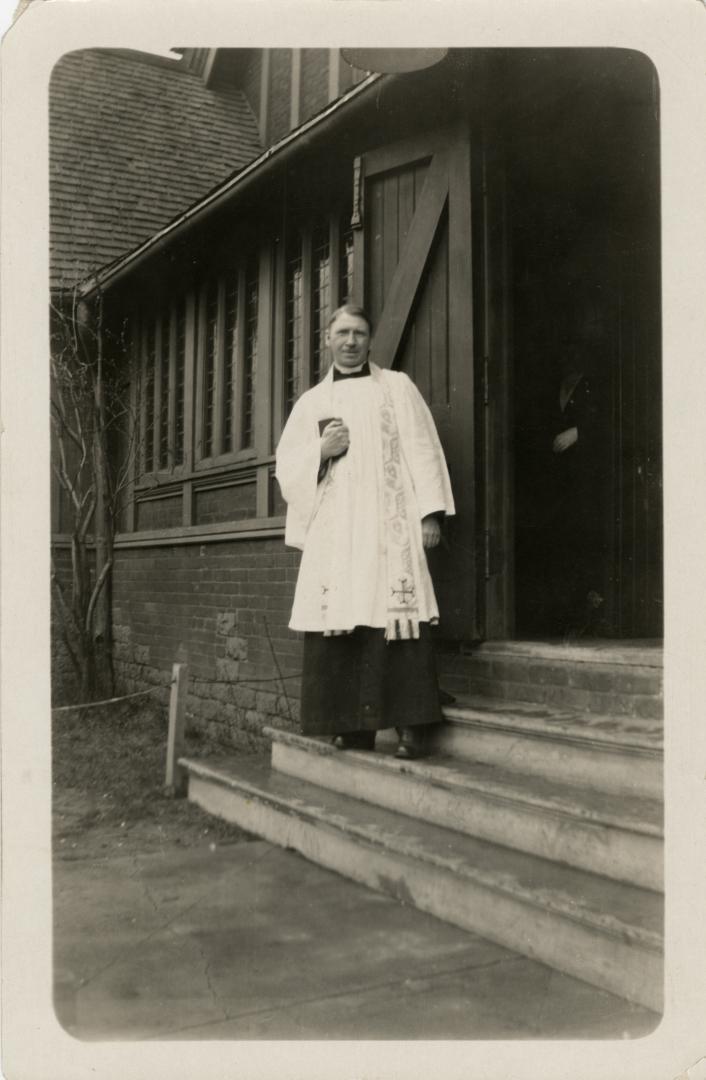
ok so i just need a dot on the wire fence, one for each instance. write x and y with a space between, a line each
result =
193 679
245 683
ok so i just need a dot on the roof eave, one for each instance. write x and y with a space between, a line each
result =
274 155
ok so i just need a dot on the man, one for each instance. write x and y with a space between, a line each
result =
364 477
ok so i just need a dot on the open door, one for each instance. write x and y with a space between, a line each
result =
567 286
413 267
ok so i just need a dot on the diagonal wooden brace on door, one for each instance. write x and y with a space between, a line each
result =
409 273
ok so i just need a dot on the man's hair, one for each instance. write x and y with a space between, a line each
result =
351 309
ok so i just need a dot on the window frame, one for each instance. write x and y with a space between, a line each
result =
151 426
266 263
219 455
337 221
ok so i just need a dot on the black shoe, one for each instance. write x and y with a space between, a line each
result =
355 740
413 743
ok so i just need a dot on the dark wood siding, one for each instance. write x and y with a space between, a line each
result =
418 240
251 80
280 94
314 81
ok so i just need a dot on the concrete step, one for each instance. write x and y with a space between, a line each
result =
596 678
605 933
618 836
620 755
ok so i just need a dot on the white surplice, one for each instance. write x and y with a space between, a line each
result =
343 522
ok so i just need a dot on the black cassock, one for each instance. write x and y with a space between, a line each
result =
361 682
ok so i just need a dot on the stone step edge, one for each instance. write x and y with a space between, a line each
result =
559 904
509 717
441 777
648 657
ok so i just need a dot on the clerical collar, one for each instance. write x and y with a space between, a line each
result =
338 374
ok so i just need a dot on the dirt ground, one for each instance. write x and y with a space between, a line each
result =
107 781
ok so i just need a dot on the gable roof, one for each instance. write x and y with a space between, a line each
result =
132 142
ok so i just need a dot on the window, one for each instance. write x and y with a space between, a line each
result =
226 359
149 399
209 395
250 358
318 271
294 308
162 374
345 267
179 381
320 299
231 363
164 388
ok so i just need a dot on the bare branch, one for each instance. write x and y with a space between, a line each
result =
62 426
67 617
100 582
61 472
82 532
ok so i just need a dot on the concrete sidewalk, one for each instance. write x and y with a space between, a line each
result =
252 941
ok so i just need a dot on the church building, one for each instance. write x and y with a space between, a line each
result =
497 213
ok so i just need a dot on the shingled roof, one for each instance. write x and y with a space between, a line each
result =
133 143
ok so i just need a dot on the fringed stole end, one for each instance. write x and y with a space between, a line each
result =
402 630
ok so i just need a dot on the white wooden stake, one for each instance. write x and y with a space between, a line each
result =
175 778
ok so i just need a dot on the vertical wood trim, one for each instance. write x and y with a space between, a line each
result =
438 288
200 371
187 503
157 396
461 343
189 377
263 508
358 194
141 459
265 96
405 281
262 376
219 369
280 330
233 354
133 421
239 391
305 374
359 283
171 414
334 74
334 248
505 329
359 296
295 89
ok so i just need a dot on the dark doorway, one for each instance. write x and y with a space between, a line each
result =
583 428
564 436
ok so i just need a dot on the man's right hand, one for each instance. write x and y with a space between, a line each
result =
335 440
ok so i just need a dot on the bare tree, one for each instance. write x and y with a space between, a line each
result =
95 451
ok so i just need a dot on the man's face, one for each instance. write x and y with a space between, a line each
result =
348 338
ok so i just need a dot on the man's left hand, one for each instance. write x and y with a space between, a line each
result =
431 531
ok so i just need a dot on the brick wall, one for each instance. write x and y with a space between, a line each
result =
212 606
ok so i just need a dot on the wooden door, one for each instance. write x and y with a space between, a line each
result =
414 269
493 318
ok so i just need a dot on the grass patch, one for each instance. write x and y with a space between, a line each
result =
108 783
